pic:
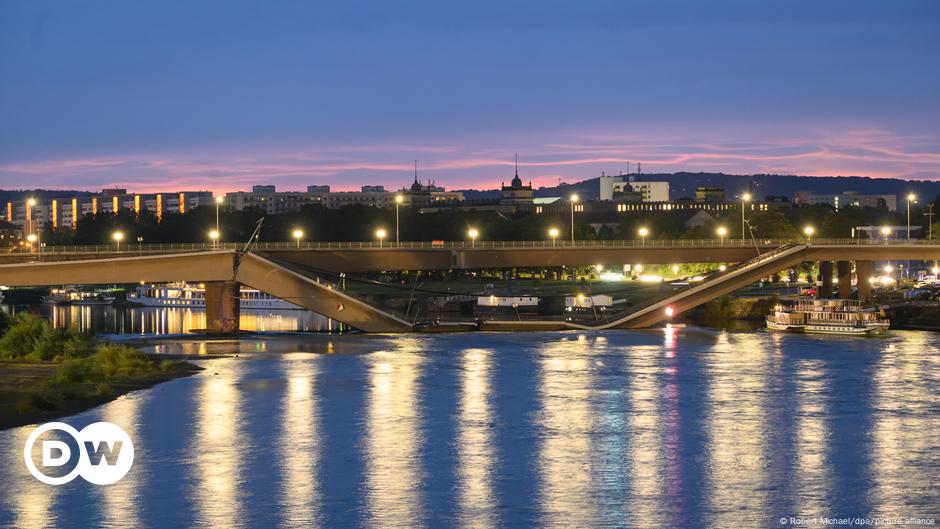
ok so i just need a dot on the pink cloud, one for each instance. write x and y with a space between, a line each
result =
850 151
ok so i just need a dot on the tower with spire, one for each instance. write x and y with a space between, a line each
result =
516 193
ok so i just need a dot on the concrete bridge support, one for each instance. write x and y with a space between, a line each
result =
825 270
222 307
844 273
864 271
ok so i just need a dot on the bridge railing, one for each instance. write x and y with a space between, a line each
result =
140 249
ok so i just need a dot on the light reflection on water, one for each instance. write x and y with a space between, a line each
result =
393 443
171 320
624 429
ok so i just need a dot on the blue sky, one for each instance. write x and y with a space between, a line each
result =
220 95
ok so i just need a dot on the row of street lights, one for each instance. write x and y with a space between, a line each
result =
473 233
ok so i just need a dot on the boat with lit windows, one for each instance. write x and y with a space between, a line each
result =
194 296
74 296
827 316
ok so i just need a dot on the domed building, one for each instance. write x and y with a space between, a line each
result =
516 194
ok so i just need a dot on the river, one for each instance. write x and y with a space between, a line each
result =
674 428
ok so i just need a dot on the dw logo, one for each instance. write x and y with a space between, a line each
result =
102 453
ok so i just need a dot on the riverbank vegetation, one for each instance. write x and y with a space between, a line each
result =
47 372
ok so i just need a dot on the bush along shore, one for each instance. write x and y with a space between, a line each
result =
47 372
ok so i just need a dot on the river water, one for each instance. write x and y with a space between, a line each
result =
675 428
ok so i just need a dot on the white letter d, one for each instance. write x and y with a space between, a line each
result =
61 458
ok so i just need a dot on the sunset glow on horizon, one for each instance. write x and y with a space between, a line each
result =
205 97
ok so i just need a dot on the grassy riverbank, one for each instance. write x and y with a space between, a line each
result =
47 373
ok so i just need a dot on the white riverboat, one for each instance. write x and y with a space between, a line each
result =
194 296
827 316
74 296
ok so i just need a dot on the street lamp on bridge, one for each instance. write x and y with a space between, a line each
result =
31 238
574 200
809 231
473 233
298 234
885 232
911 197
30 202
745 198
214 237
118 236
643 232
553 233
722 231
380 235
399 199
218 202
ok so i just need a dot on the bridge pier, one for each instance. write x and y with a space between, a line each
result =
844 272
825 270
864 270
222 307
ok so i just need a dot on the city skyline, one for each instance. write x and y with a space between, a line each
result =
150 98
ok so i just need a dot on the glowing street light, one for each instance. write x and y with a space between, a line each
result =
574 200
935 270
118 236
553 233
214 237
399 199
885 232
722 268
911 197
675 270
722 231
888 268
643 232
380 235
297 234
218 202
809 231
746 197
32 240
30 202
473 233
670 312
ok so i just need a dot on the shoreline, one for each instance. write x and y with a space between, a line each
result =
13 373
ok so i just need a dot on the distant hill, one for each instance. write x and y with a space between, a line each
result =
682 185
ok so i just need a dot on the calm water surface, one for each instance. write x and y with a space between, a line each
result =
688 428
168 320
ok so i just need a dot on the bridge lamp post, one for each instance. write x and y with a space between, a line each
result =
809 231
30 202
722 231
911 197
885 232
398 201
553 233
118 236
643 233
670 312
32 240
380 235
574 200
297 234
214 237
745 198
675 270
936 269
473 233
218 202
140 245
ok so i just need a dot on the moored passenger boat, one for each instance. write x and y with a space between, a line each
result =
194 296
827 316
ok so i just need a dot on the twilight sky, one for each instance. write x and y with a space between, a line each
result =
175 94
